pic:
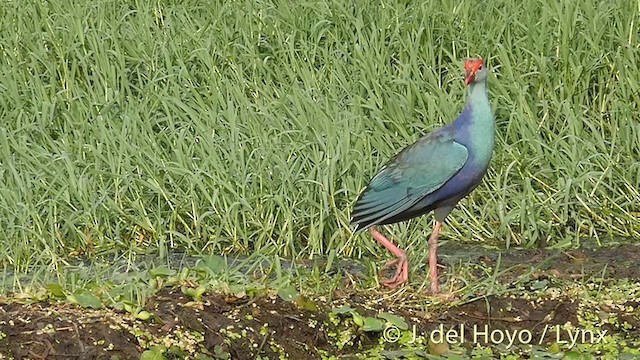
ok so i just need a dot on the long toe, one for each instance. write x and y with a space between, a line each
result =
401 275
397 263
390 263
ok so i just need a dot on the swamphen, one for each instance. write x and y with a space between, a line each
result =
432 174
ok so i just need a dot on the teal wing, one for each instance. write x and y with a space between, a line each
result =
414 173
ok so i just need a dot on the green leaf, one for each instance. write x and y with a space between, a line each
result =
175 352
196 293
437 348
143 315
373 324
205 357
155 353
85 299
395 320
56 290
256 290
220 353
554 348
161 271
288 293
238 290
539 285
214 263
344 309
575 355
128 307
304 303
357 318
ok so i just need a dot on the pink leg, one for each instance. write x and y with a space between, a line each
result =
433 258
401 262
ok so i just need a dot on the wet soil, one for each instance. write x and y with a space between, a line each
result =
222 326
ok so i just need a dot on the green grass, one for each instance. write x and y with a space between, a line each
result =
251 126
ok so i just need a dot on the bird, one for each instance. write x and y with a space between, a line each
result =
432 174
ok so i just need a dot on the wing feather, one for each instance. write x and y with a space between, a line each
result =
414 173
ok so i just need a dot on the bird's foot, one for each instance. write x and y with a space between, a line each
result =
401 275
435 287
448 296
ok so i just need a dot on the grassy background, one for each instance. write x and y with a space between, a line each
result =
251 126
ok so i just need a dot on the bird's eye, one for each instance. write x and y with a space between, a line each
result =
481 67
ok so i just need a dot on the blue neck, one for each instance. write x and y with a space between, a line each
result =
475 124
478 90
478 109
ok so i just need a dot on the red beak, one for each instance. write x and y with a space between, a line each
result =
471 75
471 68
